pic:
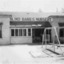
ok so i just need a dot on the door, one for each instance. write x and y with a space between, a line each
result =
37 35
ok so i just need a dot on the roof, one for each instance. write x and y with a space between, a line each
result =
57 16
31 14
5 15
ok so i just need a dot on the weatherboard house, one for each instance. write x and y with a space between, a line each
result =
17 28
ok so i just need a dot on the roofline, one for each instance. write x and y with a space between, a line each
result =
56 16
5 15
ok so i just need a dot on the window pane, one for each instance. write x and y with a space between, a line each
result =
62 32
29 32
24 32
48 31
20 32
0 33
12 32
16 32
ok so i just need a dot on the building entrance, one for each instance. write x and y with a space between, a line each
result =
47 36
37 35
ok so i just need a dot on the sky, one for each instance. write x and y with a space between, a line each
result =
32 5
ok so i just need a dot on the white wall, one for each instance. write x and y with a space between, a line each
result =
5 31
22 39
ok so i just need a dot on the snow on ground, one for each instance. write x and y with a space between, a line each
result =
20 54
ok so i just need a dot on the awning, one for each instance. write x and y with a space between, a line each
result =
42 23
46 24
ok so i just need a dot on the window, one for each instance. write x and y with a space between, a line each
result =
20 32
12 32
48 31
61 33
29 32
61 24
16 32
24 32
0 31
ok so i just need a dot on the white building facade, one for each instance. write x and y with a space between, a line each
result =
27 27
23 29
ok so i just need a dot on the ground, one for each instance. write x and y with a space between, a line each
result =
22 54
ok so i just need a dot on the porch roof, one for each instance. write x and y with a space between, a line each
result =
42 23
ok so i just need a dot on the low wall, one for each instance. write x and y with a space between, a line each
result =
22 40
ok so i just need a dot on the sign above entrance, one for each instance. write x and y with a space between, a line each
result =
32 19
28 19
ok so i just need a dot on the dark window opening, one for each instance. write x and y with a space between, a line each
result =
0 33
12 32
61 24
61 33
29 32
48 31
16 32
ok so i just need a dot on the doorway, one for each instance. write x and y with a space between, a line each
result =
48 36
37 35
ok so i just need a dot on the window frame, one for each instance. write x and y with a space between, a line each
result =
23 32
20 32
29 32
16 32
